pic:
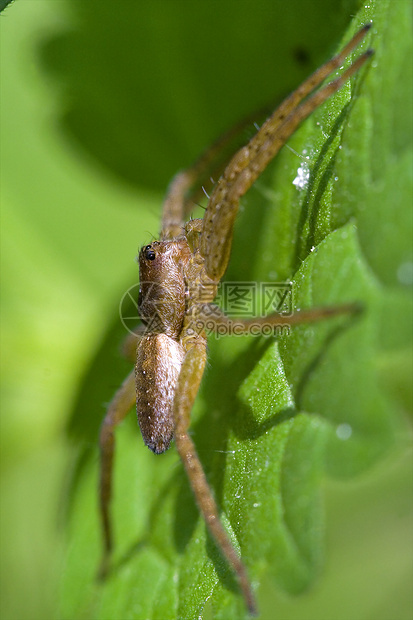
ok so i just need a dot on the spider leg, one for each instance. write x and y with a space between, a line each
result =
187 388
120 406
179 200
130 344
173 211
213 318
250 161
214 160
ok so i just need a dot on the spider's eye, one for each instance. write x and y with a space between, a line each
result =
149 253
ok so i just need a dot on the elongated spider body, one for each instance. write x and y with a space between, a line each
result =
163 267
179 276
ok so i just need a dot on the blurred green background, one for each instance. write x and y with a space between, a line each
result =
100 106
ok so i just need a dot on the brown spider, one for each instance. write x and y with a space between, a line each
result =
179 276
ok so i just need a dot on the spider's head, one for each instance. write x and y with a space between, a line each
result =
161 301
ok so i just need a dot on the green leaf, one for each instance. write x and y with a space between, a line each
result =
315 401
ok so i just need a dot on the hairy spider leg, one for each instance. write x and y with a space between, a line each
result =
214 160
119 407
187 389
250 161
130 344
178 204
212 317
173 206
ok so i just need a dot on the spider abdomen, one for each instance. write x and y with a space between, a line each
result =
158 363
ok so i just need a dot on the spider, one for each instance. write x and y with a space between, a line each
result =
179 276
